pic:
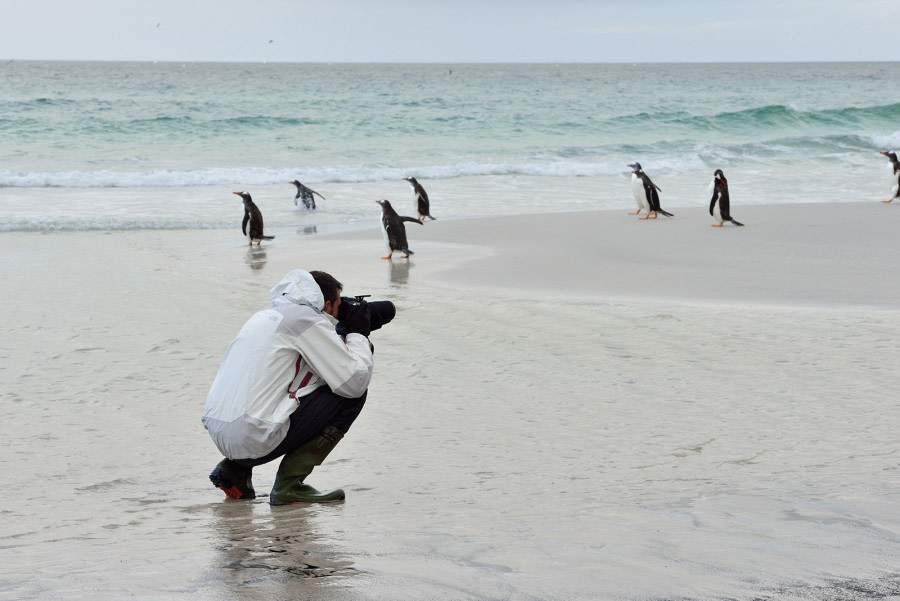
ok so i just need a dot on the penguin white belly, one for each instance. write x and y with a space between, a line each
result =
250 225
717 211
895 183
384 234
640 196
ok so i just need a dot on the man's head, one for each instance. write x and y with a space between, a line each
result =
331 291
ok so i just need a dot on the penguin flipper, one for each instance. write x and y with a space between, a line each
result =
738 223
410 219
666 213
244 223
267 237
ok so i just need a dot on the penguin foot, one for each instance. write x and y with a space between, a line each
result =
888 201
634 212
642 217
652 215
388 256
715 225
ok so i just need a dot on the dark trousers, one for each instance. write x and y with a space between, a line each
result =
317 411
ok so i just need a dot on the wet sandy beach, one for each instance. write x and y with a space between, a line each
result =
572 406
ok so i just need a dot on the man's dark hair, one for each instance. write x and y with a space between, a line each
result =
331 288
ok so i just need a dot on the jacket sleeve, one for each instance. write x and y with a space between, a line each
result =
345 366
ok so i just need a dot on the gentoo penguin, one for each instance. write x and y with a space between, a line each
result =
895 177
637 190
423 206
650 192
393 229
718 190
306 195
252 225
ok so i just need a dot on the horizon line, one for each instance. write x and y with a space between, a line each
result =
7 61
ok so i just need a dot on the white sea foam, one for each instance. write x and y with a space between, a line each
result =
887 141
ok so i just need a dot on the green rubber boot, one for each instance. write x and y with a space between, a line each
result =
298 464
234 479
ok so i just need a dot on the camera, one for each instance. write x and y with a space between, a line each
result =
380 312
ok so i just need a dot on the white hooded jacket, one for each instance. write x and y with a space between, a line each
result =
281 355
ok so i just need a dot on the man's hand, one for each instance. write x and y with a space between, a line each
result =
358 322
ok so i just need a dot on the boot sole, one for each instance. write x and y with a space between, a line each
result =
324 499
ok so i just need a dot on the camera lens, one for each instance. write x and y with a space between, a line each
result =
380 313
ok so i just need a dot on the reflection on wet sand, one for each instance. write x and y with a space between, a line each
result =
399 272
281 549
256 257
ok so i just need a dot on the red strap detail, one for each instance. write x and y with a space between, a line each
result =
303 382
293 393
306 379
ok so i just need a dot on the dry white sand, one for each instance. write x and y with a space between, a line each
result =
578 406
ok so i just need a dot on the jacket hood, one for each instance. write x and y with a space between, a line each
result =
300 288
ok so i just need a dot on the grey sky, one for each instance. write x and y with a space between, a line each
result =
451 31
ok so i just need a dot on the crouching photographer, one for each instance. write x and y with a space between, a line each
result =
291 384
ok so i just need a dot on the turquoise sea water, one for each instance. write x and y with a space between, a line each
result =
143 145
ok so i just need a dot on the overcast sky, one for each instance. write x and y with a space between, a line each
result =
451 31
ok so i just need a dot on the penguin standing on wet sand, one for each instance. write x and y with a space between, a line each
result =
393 229
895 165
637 190
306 195
252 225
651 192
423 206
718 189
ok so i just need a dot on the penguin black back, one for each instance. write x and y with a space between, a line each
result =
720 194
895 179
652 191
252 225
306 195
394 230
423 205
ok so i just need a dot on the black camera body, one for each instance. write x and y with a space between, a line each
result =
380 312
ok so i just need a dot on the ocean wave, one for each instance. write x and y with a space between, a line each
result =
670 155
766 118
257 176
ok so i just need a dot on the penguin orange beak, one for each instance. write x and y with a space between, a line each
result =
883 152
